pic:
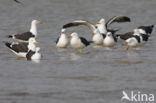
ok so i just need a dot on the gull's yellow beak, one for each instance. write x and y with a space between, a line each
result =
69 36
126 42
40 22
36 42
127 48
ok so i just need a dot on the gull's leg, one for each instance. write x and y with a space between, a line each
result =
134 49
127 48
81 51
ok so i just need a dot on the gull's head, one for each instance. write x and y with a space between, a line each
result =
101 21
63 31
33 41
36 22
109 34
31 45
38 50
73 35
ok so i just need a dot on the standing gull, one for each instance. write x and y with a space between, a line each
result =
133 42
24 37
78 42
62 40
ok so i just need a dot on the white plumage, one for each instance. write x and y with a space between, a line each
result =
34 55
97 37
109 40
101 26
24 37
21 49
62 41
132 42
76 42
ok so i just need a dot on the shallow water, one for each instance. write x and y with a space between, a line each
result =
61 76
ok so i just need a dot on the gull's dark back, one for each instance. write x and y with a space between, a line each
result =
148 29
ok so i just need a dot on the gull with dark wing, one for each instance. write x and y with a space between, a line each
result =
21 49
103 26
99 29
78 43
133 42
24 37
34 54
97 36
143 32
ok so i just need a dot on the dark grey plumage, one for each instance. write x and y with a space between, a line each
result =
125 36
115 38
19 47
24 36
71 25
137 38
118 19
78 23
113 31
145 37
85 41
30 54
104 36
148 29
